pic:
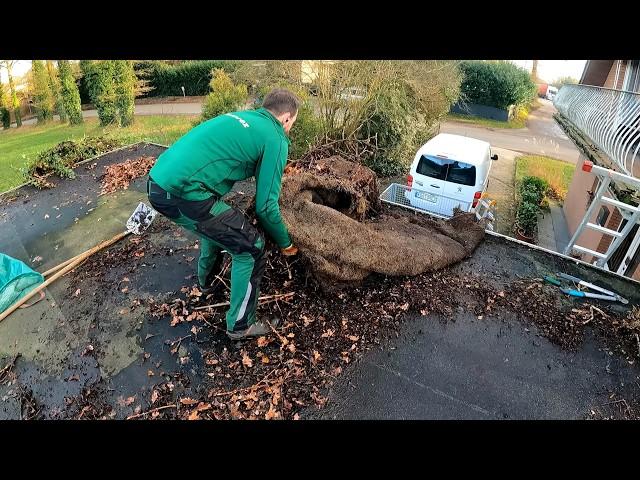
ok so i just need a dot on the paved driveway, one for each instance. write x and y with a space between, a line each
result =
542 136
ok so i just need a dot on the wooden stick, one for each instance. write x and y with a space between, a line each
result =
67 262
60 273
63 264
131 417
265 299
283 341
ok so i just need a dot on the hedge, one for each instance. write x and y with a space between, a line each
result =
496 84
166 80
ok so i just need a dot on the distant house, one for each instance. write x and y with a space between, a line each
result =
604 109
310 70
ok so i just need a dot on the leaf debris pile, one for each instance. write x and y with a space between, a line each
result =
119 175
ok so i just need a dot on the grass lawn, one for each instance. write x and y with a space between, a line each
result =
19 145
486 122
556 172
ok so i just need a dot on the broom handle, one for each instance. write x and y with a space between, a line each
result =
70 266
67 262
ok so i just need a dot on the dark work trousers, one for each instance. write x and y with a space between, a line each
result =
220 227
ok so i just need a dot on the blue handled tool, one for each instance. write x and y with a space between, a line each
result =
591 286
603 295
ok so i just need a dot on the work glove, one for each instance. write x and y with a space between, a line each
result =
289 251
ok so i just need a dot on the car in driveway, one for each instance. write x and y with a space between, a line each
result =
448 172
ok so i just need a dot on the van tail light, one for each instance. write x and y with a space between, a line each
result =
476 198
409 181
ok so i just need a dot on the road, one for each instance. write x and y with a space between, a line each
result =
149 109
542 136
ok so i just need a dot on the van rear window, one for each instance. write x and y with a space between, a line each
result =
446 169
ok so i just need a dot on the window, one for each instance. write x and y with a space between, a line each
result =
603 215
448 170
433 167
462 173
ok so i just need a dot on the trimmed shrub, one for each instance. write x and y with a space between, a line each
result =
100 81
125 91
167 80
496 84
69 92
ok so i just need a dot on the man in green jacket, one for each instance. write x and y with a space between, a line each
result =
188 180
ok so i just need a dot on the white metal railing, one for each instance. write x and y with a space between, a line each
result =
610 118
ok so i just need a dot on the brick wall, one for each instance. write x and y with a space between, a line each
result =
612 75
614 221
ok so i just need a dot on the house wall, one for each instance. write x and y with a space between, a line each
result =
609 82
576 204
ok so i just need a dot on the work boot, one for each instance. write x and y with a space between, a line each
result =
256 329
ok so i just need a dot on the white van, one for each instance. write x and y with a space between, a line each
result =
449 171
551 93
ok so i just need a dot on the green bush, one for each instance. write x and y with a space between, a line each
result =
532 196
167 80
496 84
5 116
224 97
69 92
99 77
54 85
307 130
60 159
398 128
125 91
535 184
527 217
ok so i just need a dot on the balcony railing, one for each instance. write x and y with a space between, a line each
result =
610 118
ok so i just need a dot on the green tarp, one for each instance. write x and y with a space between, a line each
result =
16 280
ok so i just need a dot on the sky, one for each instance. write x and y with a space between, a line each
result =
548 70
19 69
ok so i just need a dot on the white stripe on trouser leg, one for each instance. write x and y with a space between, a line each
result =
245 302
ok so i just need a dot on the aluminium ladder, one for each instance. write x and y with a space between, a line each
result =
605 176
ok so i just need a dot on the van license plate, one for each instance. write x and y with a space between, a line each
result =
429 197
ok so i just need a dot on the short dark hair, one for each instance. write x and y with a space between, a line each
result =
280 100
